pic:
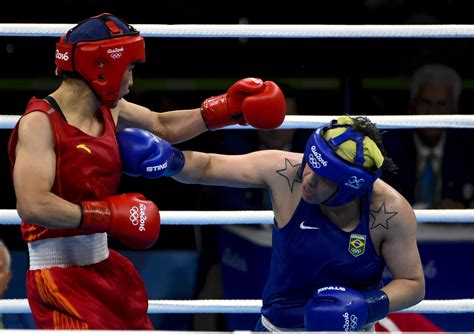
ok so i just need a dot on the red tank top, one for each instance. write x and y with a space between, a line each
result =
87 167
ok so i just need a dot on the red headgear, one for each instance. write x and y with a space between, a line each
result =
99 50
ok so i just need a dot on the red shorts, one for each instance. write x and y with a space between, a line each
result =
106 295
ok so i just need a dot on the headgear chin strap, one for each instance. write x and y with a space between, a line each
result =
353 179
99 50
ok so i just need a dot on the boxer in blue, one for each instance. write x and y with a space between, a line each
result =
337 225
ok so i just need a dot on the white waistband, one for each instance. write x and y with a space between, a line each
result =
272 328
78 250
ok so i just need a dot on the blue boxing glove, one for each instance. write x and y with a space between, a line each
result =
145 154
336 308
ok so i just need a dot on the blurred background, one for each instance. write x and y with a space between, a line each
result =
319 76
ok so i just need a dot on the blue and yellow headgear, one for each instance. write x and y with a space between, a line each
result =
343 155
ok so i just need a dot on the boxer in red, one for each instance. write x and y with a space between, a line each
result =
66 170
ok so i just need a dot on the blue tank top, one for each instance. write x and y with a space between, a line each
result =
311 252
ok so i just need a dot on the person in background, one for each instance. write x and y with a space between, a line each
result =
337 225
69 205
10 320
431 175
5 273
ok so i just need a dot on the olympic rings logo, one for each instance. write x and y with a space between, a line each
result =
354 321
350 322
134 215
315 163
116 55
138 216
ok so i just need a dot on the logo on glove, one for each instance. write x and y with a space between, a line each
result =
350 322
138 216
336 288
157 167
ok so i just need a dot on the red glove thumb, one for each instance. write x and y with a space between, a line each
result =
265 110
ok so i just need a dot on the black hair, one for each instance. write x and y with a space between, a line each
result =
367 127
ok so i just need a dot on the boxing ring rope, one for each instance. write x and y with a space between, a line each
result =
259 30
10 217
249 306
312 122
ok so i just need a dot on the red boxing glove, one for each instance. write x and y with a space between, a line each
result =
250 100
130 217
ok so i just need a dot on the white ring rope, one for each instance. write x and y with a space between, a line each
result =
266 217
259 30
312 122
249 306
10 217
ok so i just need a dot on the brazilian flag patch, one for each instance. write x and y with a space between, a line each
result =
357 244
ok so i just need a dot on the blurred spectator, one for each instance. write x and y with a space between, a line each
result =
5 273
14 321
431 172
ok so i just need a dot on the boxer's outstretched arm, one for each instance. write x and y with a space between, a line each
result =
175 126
145 154
252 101
255 170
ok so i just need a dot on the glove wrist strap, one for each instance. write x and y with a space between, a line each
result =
378 305
95 215
177 163
215 112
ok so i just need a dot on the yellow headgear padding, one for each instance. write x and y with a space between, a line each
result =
347 150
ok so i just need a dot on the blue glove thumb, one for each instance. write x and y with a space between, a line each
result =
145 154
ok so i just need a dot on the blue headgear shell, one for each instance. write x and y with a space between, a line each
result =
353 179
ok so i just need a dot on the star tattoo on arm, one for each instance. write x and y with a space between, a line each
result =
381 217
290 173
